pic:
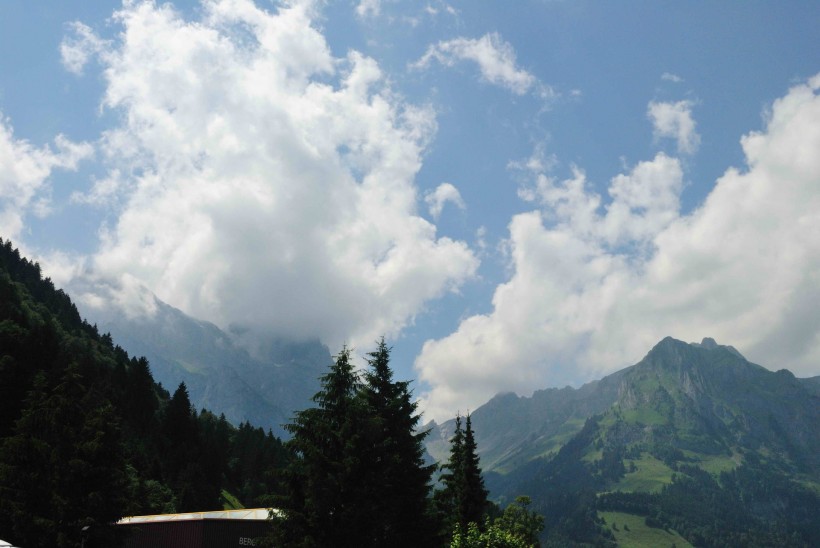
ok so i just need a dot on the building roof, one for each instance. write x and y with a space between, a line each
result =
245 513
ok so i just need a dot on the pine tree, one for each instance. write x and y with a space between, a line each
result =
183 458
323 504
447 499
358 476
396 470
474 497
464 497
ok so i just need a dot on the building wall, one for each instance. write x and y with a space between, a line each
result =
194 533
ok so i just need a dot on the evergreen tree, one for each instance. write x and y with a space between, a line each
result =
183 460
324 499
447 499
396 470
473 504
464 497
358 476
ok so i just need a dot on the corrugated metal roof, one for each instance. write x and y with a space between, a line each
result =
245 513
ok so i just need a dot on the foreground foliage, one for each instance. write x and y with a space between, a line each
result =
517 527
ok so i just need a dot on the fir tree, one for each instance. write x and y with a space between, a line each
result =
396 469
184 461
464 497
323 504
447 499
473 504
358 476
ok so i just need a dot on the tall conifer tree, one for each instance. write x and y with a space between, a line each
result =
446 499
358 477
396 471
474 497
463 500
324 500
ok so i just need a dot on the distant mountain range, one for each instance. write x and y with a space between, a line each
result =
692 426
221 375
704 382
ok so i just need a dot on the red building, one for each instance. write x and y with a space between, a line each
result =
220 529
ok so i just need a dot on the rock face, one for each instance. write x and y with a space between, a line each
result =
264 389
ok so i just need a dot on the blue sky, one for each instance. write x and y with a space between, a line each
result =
519 195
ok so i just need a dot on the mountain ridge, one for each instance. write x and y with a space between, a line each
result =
511 429
265 389
696 441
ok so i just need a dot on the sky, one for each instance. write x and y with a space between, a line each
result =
516 195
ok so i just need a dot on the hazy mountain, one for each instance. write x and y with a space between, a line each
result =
220 374
510 430
812 384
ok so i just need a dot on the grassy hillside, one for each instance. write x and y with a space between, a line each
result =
631 531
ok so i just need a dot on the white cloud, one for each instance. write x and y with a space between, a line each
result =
495 59
79 47
436 199
24 173
674 120
671 77
594 286
260 181
368 8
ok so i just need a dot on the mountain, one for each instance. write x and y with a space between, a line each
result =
511 430
221 375
693 442
692 388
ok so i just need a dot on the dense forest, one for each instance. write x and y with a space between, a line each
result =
87 436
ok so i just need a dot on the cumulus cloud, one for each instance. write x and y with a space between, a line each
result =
595 283
24 173
261 181
495 59
674 120
436 199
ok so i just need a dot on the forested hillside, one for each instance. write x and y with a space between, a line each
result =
87 436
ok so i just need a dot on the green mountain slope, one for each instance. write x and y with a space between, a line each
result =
690 427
